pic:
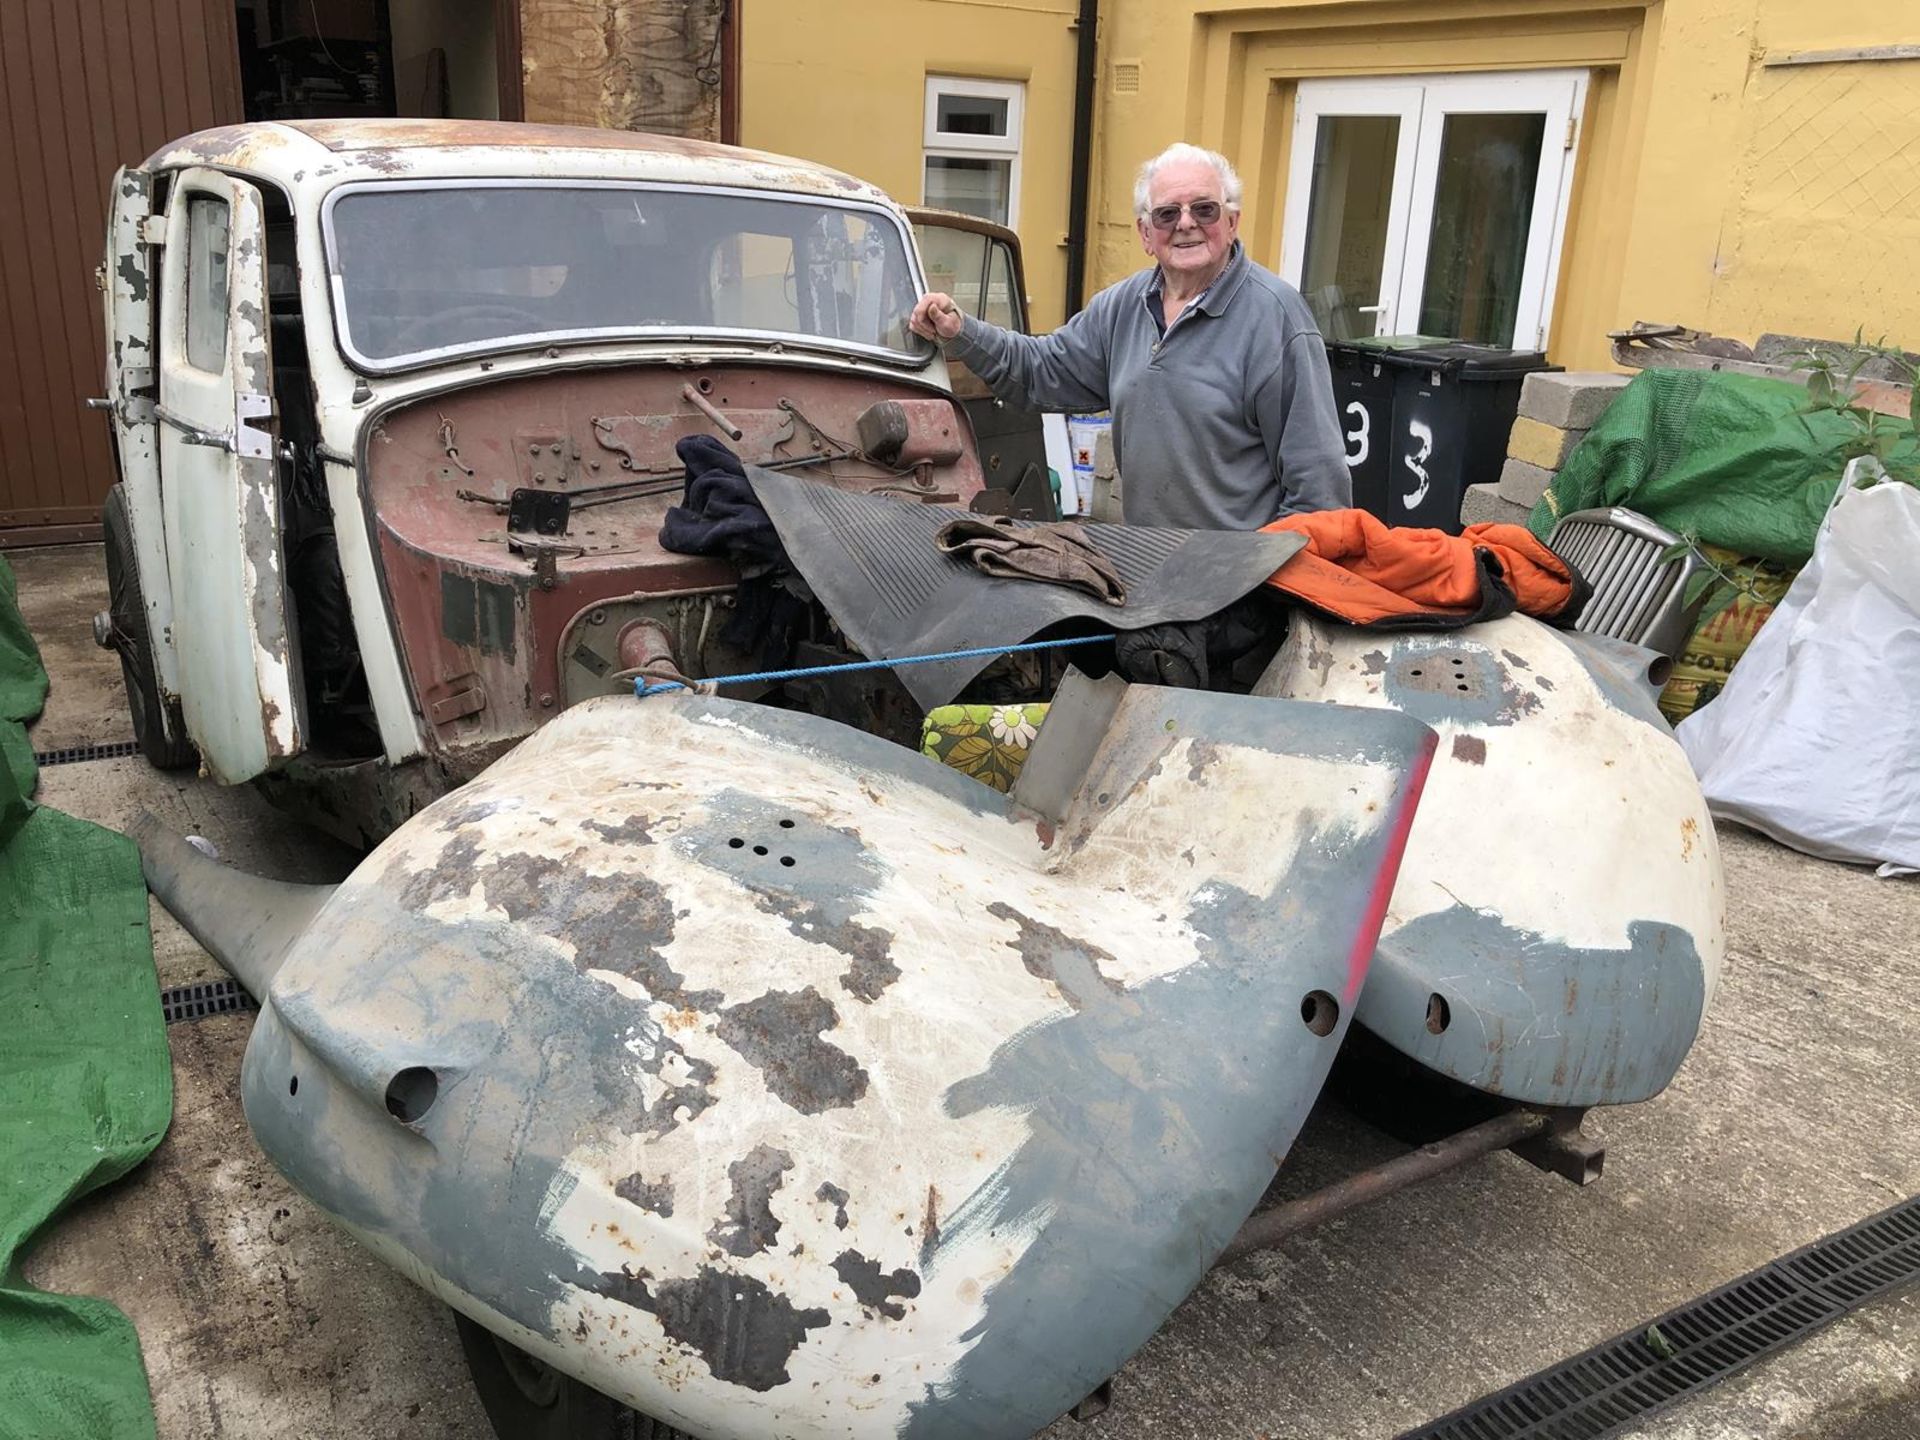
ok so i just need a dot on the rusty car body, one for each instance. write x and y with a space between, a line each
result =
338 350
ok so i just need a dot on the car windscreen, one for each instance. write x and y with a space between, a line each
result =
423 270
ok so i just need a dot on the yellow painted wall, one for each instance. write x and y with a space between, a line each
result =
843 82
1712 187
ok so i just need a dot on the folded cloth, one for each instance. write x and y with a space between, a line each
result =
1360 570
1057 554
721 515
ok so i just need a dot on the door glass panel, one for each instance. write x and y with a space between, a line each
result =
1482 216
1347 216
955 261
207 283
970 185
1001 305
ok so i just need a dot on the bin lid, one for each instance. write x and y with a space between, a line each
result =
1370 346
1470 361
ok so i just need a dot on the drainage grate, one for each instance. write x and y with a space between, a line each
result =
76 754
208 997
1624 1380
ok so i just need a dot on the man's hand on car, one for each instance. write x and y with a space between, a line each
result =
935 318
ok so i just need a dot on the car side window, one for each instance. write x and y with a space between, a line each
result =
1001 305
207 227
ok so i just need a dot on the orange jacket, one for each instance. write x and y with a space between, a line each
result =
1358 569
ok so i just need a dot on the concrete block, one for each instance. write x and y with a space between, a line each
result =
1523 483
1482 503
1570 399
1539 443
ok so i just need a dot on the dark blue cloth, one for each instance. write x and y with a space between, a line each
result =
721 515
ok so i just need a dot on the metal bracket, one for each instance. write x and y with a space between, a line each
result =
153 229
253 422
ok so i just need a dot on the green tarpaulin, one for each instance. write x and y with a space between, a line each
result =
1733 460
86 1090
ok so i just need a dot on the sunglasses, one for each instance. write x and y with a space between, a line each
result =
1204 213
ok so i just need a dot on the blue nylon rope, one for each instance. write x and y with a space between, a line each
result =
643 689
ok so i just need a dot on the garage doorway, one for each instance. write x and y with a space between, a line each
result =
315 59
1432 205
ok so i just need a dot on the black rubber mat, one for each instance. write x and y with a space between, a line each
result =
871 560
76 754
208 997
1621 1382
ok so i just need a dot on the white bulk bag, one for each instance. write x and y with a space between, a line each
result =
1816 738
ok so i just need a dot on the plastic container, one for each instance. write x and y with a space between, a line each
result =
1453 409
1363 390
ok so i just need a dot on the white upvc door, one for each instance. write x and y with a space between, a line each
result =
1350 201
1485 166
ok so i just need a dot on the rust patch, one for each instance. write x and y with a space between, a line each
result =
634 830
1470 748
869 950
779 1035
654 1196
1689 833
930 1226
745 1332
837 1198
750 1227
1202 755
1073 966
876 1291
1375 662
1514 660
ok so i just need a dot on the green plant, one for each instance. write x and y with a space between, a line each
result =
1830 390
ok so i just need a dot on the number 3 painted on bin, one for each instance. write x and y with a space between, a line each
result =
1423 434
1358 435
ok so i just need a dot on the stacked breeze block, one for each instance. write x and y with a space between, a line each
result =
1556 411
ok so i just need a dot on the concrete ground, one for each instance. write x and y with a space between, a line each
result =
1796 1114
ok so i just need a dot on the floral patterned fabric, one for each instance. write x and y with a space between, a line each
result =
988 742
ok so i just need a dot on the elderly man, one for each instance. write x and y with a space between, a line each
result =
1223 414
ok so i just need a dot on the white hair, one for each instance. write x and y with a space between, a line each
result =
1180 152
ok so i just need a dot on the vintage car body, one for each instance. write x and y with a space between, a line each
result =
337 349
777 1080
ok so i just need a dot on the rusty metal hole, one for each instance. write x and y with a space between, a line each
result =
1439 1014
786 824
786 860
1415 673
411 1093
759 849
1463 687
705 385
736 843
1320 1011
293 1085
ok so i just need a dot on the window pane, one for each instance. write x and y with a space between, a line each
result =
1002 305
1482 213
955 262
972 186
970 115
1353 162
207 283
433 267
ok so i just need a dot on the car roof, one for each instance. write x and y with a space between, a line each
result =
326 153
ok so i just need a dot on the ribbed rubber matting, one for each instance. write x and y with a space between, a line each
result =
1623 1381
872 563
76 754
198 1001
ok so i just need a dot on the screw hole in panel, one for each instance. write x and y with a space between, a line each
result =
1320 1011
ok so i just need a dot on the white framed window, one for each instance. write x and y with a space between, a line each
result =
972 141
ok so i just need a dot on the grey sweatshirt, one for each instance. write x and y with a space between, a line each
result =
1223 424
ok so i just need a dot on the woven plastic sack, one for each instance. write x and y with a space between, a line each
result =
1814 738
